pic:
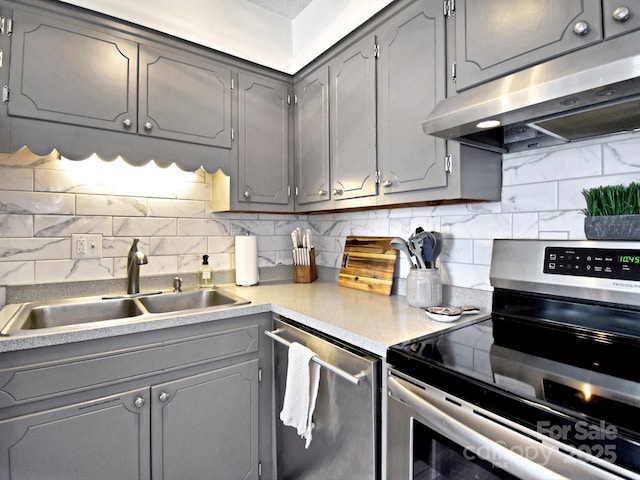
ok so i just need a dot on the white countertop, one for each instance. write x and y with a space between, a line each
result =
369 321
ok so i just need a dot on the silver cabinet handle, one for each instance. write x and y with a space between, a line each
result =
164 396
621 14
322 193
246 194
337 191
387 183
148 126
127 122
139 402
581 28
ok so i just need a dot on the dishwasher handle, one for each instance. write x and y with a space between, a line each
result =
355 379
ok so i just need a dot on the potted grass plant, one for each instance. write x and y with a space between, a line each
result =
613 212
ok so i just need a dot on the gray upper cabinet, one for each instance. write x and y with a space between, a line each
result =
353 121
65 72
264 165
410 84
312 137
184 97
497 37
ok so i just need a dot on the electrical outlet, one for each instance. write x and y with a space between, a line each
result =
86 245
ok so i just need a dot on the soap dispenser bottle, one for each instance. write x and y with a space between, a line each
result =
205 274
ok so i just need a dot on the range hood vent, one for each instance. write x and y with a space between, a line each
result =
589 93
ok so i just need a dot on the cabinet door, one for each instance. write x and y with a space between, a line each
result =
410 84
312 137
104 439
497 37
183 97
353 121
620 17
263 137
64 72
205 427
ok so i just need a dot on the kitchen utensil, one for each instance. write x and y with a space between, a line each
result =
368 264
416 243
437 247
401 245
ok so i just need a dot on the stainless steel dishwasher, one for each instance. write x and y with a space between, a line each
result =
345 443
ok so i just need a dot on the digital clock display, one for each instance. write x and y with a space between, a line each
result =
628 258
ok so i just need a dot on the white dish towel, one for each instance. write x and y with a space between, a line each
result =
301 391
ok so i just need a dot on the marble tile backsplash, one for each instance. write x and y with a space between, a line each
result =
44 200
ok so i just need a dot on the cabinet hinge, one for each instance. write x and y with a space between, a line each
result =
260 374
449 8
6 26
233 134
376 51
448 164
259 469
378 175
5 94
454 73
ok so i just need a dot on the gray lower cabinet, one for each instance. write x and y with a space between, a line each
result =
101 439
265 166
191 402
352 121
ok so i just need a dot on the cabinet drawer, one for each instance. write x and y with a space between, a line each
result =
43 380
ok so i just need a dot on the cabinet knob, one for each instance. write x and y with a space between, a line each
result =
581 28
127 122
322 193
148 126
139 402
246 194
387 183
621 14
164 396
337 191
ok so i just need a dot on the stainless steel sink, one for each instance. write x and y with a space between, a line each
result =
174 302
82 313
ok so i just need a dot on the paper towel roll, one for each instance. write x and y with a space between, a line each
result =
246 260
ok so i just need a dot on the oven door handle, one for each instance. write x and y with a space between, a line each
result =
458 432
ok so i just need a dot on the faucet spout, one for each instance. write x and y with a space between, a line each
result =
134 260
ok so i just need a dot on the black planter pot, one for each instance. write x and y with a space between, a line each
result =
613 227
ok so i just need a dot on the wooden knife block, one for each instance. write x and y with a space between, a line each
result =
306 273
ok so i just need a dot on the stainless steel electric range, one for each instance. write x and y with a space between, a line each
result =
547 387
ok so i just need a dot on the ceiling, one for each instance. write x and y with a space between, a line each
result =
285 8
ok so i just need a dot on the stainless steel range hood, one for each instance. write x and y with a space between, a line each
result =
589 93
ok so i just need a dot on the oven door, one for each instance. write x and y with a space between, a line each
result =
432 435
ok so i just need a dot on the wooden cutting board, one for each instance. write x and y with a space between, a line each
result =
368 264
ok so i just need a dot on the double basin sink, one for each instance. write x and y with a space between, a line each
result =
79 313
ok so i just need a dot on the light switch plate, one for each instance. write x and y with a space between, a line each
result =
86 245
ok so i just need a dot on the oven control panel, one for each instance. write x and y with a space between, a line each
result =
622 264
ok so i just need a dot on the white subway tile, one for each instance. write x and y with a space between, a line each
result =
36 202
113 247
530 198
253 227
482 250
622 157
68 182
568 224
16 179
465 275
65 225
177 208
17 273
53 271
203 227
377 227
477 226
220 245
16 225
111 205
193 191
178 245
14 249
459 250
525 225
144 227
